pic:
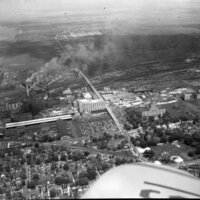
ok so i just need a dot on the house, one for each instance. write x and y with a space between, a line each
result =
187 96
133 133
58 189
18 183
3 177
172 126
67 191
175 143
141 150
2 196
176 159
67 91
42 188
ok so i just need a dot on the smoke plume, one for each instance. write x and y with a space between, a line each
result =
84 56
89 57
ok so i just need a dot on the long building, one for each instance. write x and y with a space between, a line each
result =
86 105
37 121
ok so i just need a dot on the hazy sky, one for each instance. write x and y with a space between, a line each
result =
132 14
17 8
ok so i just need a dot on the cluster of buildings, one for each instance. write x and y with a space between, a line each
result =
98 127
121 98
143 98
191 168
43 172
9 79
154 111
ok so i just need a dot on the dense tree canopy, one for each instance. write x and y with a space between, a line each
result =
149 154
31 184
82 181
91 173
66 167
61 180
53 193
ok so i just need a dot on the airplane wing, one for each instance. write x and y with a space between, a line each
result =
142 180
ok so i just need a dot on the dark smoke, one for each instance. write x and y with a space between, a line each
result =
87 56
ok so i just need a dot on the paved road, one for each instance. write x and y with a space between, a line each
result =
109 110
91 150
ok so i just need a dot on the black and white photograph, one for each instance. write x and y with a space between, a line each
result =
99 99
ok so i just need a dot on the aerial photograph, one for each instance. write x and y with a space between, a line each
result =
99 99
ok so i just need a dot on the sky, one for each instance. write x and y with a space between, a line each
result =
133 14
16 8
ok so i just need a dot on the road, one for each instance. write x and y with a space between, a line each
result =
133 149
26 191
100 97
95 91
91 150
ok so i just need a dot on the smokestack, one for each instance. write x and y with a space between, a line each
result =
27 90
47 91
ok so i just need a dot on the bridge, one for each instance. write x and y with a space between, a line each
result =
37 121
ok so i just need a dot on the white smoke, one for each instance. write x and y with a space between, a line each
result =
82 55
75 56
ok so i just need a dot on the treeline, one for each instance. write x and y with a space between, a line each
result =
157 131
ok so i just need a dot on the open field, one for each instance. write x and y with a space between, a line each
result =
184 109
77 128
142 54
174 151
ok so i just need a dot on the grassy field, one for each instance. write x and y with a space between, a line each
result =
77 129
184 109
174 151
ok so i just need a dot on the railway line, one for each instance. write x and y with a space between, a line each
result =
149 77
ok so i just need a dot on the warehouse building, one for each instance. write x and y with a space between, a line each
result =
86 105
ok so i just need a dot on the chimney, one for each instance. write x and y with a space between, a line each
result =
27 90
48 91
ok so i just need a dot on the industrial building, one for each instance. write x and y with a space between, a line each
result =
154 111
13 105
67 91
86 105
87 95
187 96
10 105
